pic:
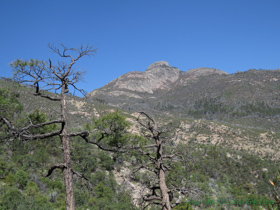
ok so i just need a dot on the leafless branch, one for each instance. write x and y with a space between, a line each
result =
82 134
146 154
148 125
155 203
48 97
80 90
82 51
24 134
83 177
60 166
152 197
145 167
31 125
97 142
40 136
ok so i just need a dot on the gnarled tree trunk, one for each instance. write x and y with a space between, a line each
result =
65 141
161 177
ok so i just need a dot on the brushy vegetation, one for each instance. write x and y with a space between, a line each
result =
211 172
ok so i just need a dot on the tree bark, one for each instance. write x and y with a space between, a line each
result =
164 191
160 170
65 141
161 177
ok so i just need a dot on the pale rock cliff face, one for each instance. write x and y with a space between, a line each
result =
159 75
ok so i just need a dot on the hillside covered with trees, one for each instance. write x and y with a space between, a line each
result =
59 151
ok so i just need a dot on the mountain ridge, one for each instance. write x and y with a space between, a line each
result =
158 76
202 92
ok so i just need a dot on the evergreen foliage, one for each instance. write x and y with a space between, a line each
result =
210 173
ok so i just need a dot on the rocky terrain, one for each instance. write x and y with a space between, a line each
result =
197 93
159 76
227 123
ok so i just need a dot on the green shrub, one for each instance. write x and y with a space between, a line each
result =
11 199
31 189
107 162
21 179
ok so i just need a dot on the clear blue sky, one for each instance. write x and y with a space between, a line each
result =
231 35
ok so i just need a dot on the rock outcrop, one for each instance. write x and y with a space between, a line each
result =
158 76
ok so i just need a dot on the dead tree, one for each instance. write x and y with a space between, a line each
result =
160 169
57 78
156 163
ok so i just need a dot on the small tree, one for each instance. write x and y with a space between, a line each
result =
57 78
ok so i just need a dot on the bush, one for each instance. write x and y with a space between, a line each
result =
31 189
11 199
21 179
107 162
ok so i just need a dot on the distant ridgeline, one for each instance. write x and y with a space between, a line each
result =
197 93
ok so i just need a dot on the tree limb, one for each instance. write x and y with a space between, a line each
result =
25 134
40 136
60 166
152 197
83 177
82 134
145 167
46 96
41 124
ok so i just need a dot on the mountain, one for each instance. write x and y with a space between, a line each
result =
159 76
200 93
224 160
157 81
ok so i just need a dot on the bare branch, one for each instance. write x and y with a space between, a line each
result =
83 177
48 97
41 124
60 166
144 166
54 72
82 51
82 134
10 127
150 118
80 90
148 125
152 197
40 136
147 154
24 134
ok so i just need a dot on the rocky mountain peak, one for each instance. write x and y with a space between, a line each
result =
204 72
158 64
158 76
